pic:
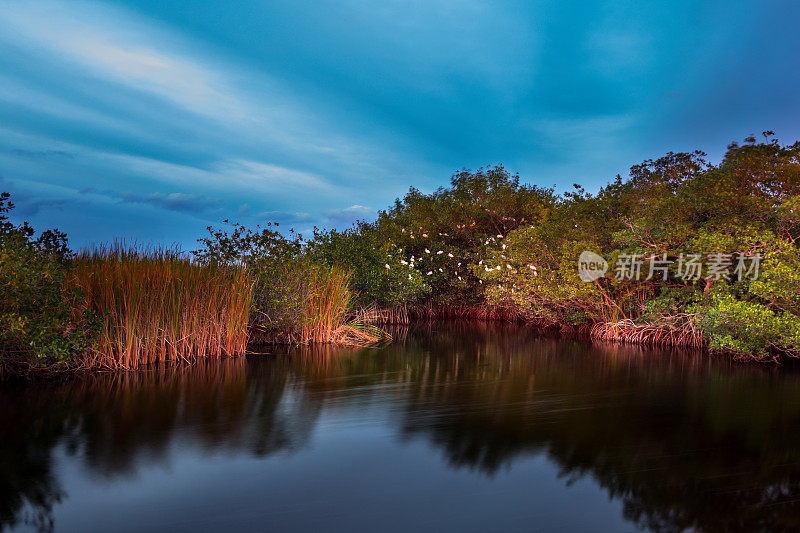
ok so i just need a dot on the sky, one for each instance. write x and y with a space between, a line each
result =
150 120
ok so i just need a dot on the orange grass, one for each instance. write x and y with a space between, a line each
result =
156 305
326 316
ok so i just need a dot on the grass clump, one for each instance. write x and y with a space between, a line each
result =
157 305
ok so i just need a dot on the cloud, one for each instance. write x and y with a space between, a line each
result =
100 93
28 206
264 174
349 214
190 203
221 107
28 203
287 217
90 36
40 154
195 204
283 216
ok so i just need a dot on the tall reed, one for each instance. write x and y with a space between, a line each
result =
326 316
156 305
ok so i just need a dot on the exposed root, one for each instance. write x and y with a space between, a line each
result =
676 330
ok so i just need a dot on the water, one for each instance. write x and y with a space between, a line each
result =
452 427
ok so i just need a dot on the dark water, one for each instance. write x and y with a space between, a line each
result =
475 428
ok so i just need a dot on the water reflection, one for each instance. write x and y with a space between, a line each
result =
678 440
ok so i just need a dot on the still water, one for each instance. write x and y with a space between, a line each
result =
451 427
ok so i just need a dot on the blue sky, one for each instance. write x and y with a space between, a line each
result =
150 120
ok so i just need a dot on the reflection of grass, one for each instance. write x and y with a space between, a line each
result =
157 306
682 442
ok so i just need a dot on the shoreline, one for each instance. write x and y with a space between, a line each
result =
647 335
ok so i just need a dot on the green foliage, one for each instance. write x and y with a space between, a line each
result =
446 233
538 274
381 273
490 239
778 284
39 318
748 327
674 205
275 262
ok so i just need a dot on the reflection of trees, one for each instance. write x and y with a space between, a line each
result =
683 442
28 490
117 421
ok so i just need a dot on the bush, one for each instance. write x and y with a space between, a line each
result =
748 328
42 316
380 272
295 298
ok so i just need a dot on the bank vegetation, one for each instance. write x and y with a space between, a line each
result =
487 247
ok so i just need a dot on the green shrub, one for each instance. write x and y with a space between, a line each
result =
42 318
748 328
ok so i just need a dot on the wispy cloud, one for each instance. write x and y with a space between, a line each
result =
254 173
29 203
144 107
94 38
190 203
298 110
297 217
40 154
350 214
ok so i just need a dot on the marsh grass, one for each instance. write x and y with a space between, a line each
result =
322 312
156 305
